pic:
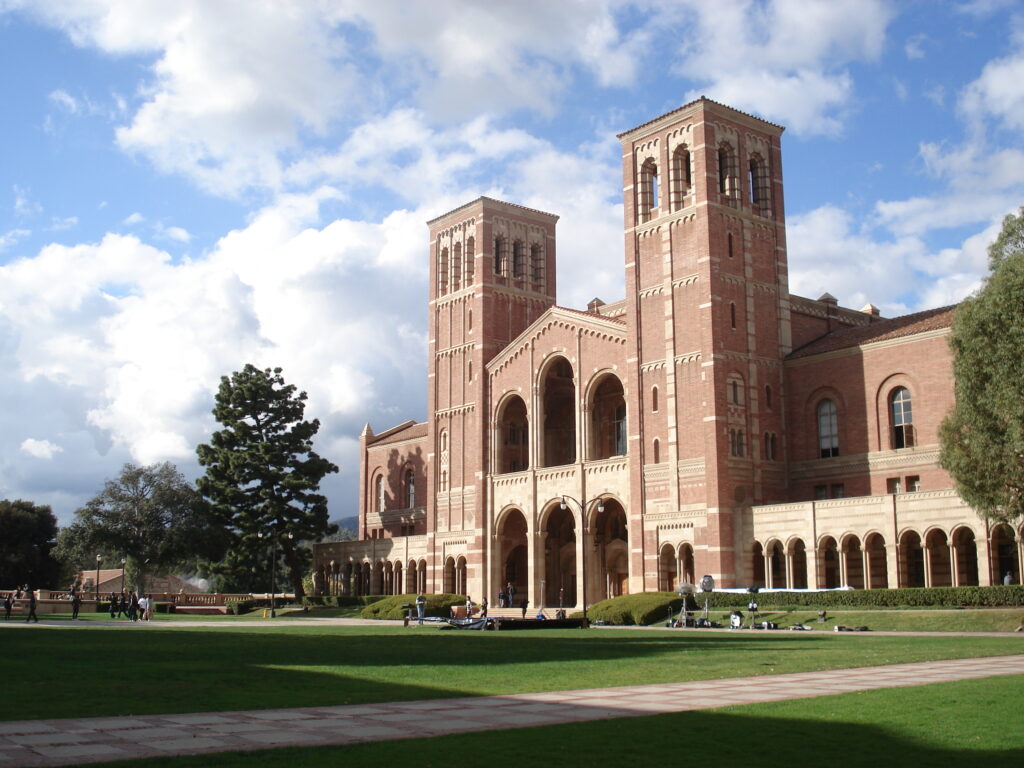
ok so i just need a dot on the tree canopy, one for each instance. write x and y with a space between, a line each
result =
29 532
262 475
983 437
149 515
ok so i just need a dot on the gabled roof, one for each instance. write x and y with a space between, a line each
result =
609 325
698 101
883 330
407 430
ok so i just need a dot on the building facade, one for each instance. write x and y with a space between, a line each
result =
708 423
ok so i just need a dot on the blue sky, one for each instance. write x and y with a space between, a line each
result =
187 187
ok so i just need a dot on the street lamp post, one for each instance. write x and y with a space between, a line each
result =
273 570
583 541
99 559
123 561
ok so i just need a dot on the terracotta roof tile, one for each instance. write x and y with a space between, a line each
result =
894 328
412 432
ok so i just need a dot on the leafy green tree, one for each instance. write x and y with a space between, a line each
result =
29 533
262 474
983 436
149 515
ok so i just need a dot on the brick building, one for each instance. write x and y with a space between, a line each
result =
708 423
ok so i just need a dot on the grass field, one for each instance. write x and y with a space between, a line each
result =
948 724
83 669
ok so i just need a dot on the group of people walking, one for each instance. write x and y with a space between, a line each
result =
21 594
130 605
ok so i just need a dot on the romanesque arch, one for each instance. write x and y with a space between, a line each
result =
965 557
558 398
775 562
513 438
607 409
828 563
449 576
877 569
686 568
667 565
461 574
1005 559
939 558
611 550
757 565
797 552
513 550
559 577
911 560
852 561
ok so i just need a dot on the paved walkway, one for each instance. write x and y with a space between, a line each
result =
74 741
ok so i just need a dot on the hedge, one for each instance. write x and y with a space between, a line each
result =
241 607
340 601
391 607
650 607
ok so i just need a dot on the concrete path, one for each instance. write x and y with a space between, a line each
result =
75 741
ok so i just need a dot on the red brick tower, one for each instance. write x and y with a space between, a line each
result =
492 273
708 301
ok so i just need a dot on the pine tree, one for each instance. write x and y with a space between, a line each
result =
262 474
983 437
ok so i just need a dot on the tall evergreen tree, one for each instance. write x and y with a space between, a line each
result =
983 437
28 533
262 474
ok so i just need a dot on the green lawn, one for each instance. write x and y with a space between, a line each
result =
969 723
84 669
893 620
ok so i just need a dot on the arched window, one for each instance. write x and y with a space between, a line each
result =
732 314
499 257
768 396
469 371
737 443
537 266
729 241
378 493
758 185
654 399
734 389
410 489
902 418
470 254
469 320
648 189
657 451
770 446
726 170
828 429
518 260
682 179
457 267
442 272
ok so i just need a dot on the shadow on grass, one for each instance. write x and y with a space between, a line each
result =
134 670
954 724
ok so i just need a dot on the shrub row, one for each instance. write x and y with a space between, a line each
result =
649 607
391 607
241 607
340 601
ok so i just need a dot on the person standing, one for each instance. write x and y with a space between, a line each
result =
510 594
76 604
525 604
421 607
469 607
483 608
8 605
32 608
113 605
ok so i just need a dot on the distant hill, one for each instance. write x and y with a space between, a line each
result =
348 528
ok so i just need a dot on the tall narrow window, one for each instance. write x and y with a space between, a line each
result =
732 314
758 184
518 260
499 256
727 170
442 272
902 418
537 266
410 489
729 241
828 429
470 255
457 267
768 397
379 493
657 451
682 179
654 399
469 320
648 189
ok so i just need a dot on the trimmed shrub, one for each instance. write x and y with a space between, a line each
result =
241 607
391 607
651 607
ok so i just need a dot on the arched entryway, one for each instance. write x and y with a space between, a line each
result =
608 419
421 577
877 562
461 577
686 568
828 558
911 560
559 580
667 565
388 585
965 557
940 567
798 564
558 393
449 576
398 577
1004 555
410 578
775 560
757 565
512 536
853 562
611 549
513 449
